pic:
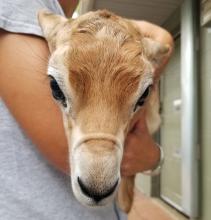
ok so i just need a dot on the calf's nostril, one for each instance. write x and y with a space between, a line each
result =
94 194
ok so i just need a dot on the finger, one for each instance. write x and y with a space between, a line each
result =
141 129
139 122
130 142
126 171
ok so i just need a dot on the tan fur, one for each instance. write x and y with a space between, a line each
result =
106 60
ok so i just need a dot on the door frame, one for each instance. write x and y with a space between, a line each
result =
185 23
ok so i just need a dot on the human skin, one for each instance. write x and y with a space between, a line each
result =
25 89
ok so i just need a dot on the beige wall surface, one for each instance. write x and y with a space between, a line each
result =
205 116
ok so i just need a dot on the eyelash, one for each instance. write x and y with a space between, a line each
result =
142 98
57 92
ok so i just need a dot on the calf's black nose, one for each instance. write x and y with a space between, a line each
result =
97 196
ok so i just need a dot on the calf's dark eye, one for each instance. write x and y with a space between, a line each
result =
57 92
143 97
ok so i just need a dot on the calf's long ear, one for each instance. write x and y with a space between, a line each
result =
51 24
155 51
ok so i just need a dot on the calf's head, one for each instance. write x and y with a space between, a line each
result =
101 71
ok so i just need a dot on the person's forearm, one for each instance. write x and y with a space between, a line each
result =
24 87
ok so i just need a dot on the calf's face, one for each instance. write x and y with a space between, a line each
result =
101 72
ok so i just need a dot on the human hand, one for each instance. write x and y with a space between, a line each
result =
141 152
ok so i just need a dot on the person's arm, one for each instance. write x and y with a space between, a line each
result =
24 87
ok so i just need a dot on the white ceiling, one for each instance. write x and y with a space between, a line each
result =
156 11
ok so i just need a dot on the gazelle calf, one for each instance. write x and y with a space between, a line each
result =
101 72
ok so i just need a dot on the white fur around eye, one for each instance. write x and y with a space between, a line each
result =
55 73
146 84
52 71
147 81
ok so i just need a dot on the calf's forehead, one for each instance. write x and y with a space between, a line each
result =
105 66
